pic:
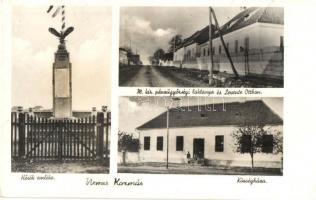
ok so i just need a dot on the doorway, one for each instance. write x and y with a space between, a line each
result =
198 148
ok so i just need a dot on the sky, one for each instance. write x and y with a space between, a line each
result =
135 111
150 28
33 49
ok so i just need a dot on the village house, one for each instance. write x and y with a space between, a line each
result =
127 57
123 59
205 132
254 39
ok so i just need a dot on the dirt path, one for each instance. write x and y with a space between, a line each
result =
148 76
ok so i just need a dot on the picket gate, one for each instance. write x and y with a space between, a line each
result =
34 137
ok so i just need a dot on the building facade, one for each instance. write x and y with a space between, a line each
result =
254 39
205 132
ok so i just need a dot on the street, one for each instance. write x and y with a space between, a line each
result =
148 76
158 76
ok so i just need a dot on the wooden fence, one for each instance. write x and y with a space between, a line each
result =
48 139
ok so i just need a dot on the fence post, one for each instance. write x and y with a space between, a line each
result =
108 115
60 137
21 134
100 134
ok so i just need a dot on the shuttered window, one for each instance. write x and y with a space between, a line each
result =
179 143
267 143
160 143
146 143
236 46
219 143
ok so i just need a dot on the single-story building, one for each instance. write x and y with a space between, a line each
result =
205 132
254 38
123 59
127 57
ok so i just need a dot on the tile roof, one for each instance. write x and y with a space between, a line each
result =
273 15
235 113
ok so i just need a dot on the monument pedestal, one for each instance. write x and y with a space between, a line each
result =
62 89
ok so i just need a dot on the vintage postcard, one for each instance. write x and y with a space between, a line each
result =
157 100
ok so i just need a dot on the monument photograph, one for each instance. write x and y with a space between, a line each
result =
201 135
61 89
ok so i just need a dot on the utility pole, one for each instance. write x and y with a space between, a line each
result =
223 43
210 33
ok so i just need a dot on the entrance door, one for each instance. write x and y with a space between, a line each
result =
198 148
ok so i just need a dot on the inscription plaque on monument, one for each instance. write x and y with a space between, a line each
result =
62 83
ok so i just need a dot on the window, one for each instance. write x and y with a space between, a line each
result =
159 143
203 115
213 50
179 143
208 51
267 144
204 52
236 46
247 43
219 143
146 143
245 143
219 49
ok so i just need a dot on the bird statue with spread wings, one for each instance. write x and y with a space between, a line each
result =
63 33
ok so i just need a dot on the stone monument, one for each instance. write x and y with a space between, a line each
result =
62 86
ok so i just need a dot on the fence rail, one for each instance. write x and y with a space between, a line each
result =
47 138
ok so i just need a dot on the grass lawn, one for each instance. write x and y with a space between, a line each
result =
52 166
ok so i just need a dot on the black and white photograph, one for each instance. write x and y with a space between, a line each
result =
201 135
170 47
61 89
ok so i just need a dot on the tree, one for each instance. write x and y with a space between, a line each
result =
255 138
159 53
175 41
127 143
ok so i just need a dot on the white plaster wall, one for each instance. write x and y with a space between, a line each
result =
179 54
130 157
208 133
123 57
261 36
192 48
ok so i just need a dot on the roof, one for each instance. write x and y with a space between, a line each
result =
122 49
233 113
272 15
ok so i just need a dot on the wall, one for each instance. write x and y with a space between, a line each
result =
123 57
228 157
179 54
130 157
265 58
167 63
